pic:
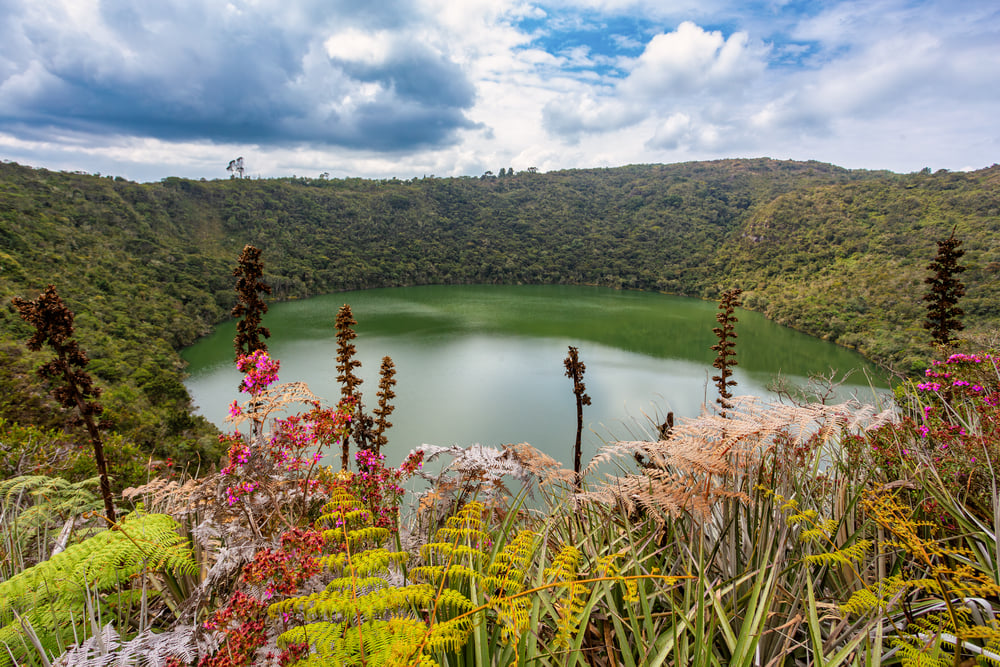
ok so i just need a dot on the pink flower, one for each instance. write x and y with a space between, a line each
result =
261 371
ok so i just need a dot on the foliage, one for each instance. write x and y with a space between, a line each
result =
574 371
53 324
48 596
951 421
790 534
251 308
944 291
725 358
832 252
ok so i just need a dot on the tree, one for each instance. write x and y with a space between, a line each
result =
53 323
943 313
574 370
236 167
726 347
250 284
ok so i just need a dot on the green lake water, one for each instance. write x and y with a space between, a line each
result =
484 364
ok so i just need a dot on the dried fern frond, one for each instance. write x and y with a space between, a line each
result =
147 648
273 399
540 465
698 462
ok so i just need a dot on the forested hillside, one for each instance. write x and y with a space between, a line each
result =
147 267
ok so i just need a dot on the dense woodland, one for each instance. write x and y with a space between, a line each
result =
840 254
799 533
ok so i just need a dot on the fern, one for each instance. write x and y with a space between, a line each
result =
845 556
689 471
458 588
564 572
49 594
949 582
359 617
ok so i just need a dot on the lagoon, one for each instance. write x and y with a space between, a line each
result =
484 364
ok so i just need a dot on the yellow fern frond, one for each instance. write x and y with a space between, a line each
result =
446 553
845 556
449 635
513 616
564 565
820 532
876 597
429 573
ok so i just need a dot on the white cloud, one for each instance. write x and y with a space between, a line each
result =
692 60
445 87
353 44
672 132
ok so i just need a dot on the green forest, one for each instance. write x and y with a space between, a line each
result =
836 253
796 534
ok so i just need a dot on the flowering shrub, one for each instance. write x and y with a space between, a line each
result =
377 486
243 623
953 424
283 571
260 371
295 446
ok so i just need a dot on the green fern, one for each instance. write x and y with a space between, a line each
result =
52 592
360 619
51 499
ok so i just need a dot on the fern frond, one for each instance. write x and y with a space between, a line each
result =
451 600
844 556
339 602
878 596
358 538
376 561
564 566
431 574
563 570
445 553
52 498
507 571
514 617
913 652
449 635
140 542
52 592
462 534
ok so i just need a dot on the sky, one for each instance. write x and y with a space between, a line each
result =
414 88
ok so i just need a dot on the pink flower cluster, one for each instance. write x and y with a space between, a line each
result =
378 487
957 362
260 371
233 493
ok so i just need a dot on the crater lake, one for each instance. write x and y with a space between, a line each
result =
484 364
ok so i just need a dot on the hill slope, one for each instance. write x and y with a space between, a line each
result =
836 253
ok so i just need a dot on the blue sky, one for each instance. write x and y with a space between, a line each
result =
403 88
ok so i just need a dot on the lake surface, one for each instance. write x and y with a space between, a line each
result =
484 364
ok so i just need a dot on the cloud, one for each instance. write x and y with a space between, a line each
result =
672 78
411 87
691 60
581 114
259 72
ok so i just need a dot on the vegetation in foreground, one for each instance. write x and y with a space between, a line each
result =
796 534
